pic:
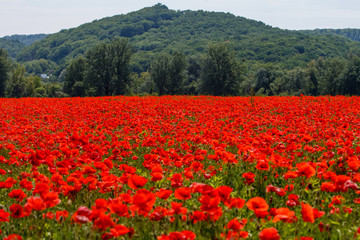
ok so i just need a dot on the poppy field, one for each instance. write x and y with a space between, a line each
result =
180 168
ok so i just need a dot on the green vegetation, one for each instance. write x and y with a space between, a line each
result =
168 73
160 51
15 43
104 72
4 71
350 33
12 46
156 29
27 40
221 73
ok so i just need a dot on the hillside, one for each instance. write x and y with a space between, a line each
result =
155 29
14 43
13 47
350 33
27 40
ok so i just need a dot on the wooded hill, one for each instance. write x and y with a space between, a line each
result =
156 29
350 33
15 43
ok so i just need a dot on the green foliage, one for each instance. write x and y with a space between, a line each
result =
165 53
4 70
100 71
27 40
121 54
350 33
15 43
350 78
142 84
160 72
11 46
105 70
329 72
221 73
158 29
40 66
20 86
168 72
74 77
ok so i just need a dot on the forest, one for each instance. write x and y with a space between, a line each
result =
158 51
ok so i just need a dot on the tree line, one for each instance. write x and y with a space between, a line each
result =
106 70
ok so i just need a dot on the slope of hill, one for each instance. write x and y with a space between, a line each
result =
14 43
350 33
27 40
13 47
155 29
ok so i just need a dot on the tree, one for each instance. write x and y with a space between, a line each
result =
168 72
298 81
100 71
75 75
16 84
4 71
121 55
221 73
350 78
330 73
177 73
313 78
160 72
108 68
193 74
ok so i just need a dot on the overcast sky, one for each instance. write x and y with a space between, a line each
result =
50 16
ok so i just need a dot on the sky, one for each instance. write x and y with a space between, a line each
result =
50 16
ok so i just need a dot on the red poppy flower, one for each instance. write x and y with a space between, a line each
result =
13 237
51 199
82 215
269 234
18 194
183 193
177 208
119 230
197 216
119 209
16 210
26 184
176 180
163 193
4 216
201 188
156 176
236 225
35 203
136 181
327 187
262 165
235 235
103 221
41 188
249 176
143 201
306 238
305 169
184 235
224 192
307 212
257 204
235 203
283 214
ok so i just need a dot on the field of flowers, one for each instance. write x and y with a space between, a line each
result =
180 168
